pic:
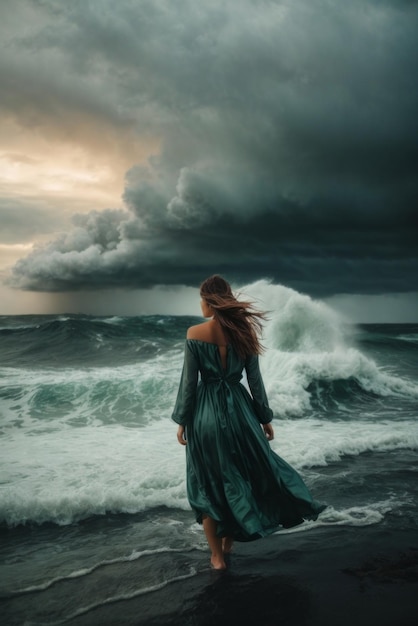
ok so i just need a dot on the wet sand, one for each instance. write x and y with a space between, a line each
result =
327 576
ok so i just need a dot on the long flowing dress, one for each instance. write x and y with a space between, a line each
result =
233 476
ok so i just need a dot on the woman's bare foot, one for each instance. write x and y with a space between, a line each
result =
227 543
217 562
215 543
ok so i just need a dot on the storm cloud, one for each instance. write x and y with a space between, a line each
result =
287 134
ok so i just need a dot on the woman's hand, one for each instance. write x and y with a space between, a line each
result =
180 436
268 431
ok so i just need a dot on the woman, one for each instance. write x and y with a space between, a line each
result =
236 485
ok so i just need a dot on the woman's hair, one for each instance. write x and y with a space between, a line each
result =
240 322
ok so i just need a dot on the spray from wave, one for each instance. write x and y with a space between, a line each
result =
310 358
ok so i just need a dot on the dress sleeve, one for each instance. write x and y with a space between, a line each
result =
186 396
258 392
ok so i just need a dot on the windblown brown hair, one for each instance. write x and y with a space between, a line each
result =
239 320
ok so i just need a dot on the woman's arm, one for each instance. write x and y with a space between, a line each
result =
186 396
258 392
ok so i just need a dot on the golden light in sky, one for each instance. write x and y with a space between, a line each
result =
67 174
59 172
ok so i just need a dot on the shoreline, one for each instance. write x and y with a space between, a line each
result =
286 579
329 576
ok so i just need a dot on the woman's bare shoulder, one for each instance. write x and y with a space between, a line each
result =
199 331
209 331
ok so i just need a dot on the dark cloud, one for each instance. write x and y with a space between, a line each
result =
288 140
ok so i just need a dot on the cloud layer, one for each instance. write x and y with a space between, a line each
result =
287 136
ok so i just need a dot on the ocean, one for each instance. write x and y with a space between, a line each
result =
95 523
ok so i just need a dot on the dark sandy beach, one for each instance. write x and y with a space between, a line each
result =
362 576
354 578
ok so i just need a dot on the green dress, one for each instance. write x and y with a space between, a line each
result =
233 476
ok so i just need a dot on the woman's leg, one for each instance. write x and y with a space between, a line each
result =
214 542
227 543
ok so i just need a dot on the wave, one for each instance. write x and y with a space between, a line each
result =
126 370
78 340
70 475
339 395
365 515
291 378
85 571
386 336
357 516
413 337
126 596
299 385
132 395
311 348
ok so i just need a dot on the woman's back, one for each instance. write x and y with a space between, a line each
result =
211 332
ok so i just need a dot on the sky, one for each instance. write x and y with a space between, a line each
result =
146 144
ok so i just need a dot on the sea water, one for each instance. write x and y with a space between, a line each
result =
92 475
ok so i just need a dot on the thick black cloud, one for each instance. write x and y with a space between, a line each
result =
289 142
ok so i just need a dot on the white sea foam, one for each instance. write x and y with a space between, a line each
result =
74 474
124 596
365 515
306 341
85 571
83 441
296 322
115 319
314 442
19 327
49 398
413 338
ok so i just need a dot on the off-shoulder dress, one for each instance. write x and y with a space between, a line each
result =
233 475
